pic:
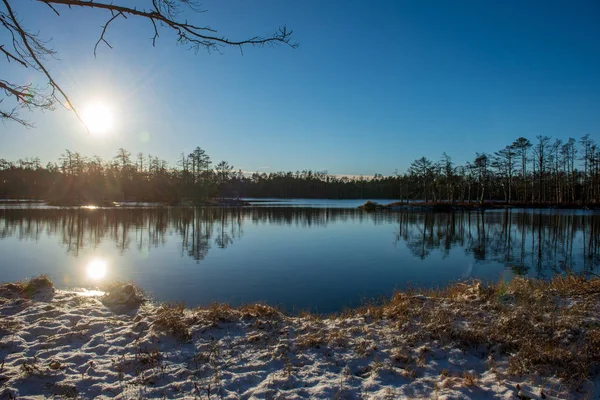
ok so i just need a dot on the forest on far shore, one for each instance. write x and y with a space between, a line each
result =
543 171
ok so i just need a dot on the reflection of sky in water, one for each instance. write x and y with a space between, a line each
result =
323 259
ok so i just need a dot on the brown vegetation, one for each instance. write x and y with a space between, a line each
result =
547 328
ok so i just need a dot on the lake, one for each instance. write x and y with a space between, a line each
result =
321 255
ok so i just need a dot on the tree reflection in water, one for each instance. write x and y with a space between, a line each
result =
538 243
541 242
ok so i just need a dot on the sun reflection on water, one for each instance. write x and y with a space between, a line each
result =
96 269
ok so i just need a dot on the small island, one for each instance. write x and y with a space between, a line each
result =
471 206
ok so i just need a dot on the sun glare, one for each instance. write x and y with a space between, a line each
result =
98 118
96 269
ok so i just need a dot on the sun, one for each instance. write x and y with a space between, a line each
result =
96 269
98 118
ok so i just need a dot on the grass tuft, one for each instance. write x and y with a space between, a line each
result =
170 318
220 312
27 288
259 310
37 284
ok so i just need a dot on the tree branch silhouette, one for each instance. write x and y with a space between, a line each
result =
29 51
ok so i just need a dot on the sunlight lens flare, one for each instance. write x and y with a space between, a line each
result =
98 118
96 269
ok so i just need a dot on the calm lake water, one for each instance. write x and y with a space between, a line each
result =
305 254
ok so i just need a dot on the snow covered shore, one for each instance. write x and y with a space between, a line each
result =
526 339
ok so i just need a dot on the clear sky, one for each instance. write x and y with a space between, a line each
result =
372 86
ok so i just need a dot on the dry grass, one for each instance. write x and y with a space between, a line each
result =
259 310
401 357
171 318
30 367
310 316
469 379
336 338
543 325
364 347
549 328
8 325
116 284
311 340
27 288
148 357
64 390
220 312
34 285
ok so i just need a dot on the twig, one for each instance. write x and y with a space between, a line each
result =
11 56
101 39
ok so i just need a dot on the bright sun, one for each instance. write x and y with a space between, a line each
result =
96 269
98 118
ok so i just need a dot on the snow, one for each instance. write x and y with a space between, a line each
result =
65 344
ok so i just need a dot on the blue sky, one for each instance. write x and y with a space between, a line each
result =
372 86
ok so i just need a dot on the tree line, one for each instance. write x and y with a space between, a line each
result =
543 171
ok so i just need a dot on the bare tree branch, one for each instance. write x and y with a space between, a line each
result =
54 9
10 56
104 28
165 11
12 115
29 51
12 90
25 39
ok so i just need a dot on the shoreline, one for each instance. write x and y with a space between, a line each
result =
527 338
369 205
136 204
472 206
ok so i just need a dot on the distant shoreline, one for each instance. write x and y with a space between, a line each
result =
473 206
106 204
369 205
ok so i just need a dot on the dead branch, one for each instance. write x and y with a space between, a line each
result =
29 51
34 54
165 12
